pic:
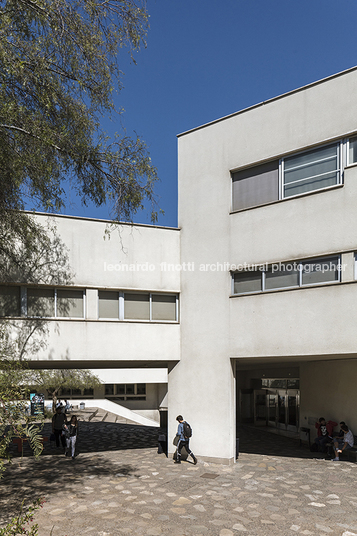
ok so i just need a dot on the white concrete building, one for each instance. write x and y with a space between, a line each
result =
249 308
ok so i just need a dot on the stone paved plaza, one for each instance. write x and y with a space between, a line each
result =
119 485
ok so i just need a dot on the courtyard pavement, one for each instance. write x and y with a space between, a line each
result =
119 485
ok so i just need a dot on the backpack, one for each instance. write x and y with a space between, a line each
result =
187 430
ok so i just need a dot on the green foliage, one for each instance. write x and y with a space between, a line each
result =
14 420
18 525
58 74
32 252
54 380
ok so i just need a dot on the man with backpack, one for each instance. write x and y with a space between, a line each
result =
184 432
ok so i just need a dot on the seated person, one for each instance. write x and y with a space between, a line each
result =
341 432
343 443
324 433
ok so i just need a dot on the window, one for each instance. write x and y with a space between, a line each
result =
286 383
70 303
41 302
109 389
108 304
76 393
128 391
293 175
352 150
311 170
244 282
321 271
256 186
163 307
136 306
47 302
152 307
10 301
294 274
141 388
50 303
281 276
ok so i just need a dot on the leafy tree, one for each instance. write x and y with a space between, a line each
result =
53 381
40 257
14 420
58 74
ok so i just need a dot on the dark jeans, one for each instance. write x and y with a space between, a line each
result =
321 442
58 435
182 444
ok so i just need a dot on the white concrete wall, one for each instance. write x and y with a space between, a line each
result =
216 328
93 342
98 262
306 322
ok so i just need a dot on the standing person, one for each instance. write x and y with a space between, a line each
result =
71 434
343 443
324 432
67 406
58 421
184 433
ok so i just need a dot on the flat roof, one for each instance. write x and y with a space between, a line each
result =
351 69
110 222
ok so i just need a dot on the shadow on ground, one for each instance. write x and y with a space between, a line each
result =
100 436
52 472
26 480
258 441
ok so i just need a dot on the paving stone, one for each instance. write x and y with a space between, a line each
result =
126 488
239 527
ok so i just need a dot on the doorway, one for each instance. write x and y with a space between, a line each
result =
278 408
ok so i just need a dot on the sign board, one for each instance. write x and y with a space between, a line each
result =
37 404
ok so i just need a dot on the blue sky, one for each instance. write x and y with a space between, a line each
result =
208 58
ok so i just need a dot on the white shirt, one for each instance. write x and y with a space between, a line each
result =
348 438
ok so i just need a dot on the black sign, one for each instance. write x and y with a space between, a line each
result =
37 404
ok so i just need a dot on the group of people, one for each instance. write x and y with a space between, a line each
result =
67 433
64 431
343 441
64 407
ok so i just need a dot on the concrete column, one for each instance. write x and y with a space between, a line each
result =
92 304
348 267
205 397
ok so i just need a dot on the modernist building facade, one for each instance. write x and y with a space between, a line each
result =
248 309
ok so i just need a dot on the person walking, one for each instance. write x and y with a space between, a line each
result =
71 436
58 421
184 432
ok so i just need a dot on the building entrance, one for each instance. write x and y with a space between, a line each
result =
278 408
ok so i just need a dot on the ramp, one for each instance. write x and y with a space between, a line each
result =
121 412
